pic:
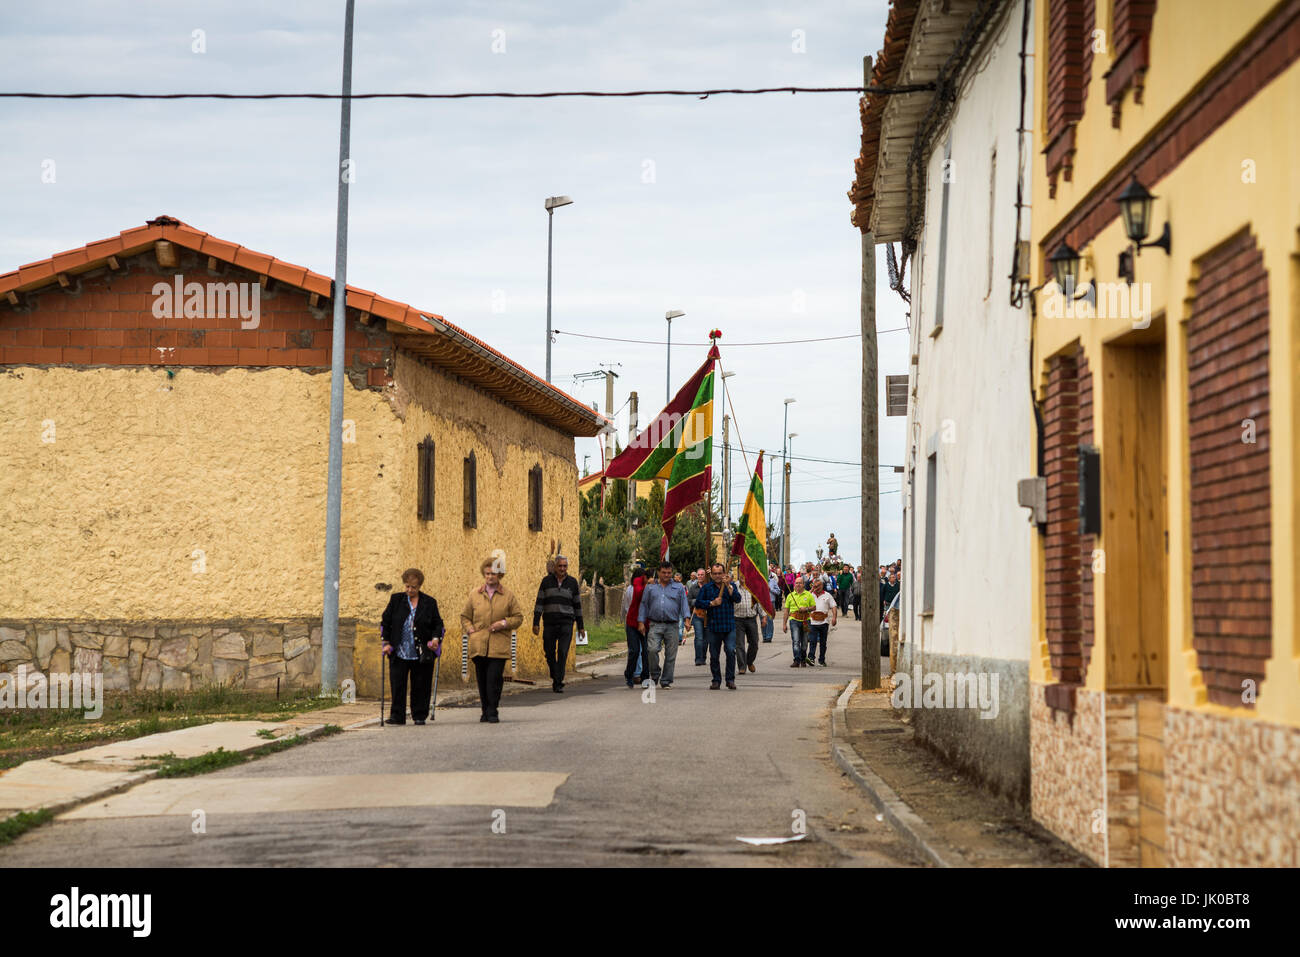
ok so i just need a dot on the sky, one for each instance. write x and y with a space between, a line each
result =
731 209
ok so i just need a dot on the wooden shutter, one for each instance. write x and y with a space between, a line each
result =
471 491
535 498
426 479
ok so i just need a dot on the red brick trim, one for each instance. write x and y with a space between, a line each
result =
1132 41
1067 423
1271 48
1230 492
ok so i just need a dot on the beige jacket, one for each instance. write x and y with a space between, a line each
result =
478 615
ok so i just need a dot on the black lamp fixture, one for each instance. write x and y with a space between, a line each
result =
1065 270
1135 208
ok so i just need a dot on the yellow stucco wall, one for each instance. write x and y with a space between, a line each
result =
1206 201
115 479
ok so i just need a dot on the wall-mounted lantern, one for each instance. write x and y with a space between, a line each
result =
1135 208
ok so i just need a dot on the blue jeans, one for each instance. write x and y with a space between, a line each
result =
717 642
818 633
797 639
767 629
700 641
636 654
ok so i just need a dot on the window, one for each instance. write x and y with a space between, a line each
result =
425 483
535 499
931 507
943 236
471 491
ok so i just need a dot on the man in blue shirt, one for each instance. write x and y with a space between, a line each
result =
718 599
663 603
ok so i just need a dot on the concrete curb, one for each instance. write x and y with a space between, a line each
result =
896 811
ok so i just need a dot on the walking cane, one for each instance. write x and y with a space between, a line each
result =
437 667
381 685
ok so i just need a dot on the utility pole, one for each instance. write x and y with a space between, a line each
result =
870 557
329 662
631 437
610 376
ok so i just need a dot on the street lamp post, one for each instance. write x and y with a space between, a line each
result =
551 205
670 315
784 460
726 465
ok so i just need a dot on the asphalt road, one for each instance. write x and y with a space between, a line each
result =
600 775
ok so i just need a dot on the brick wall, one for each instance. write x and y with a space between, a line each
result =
1227 384
107 317
1132 30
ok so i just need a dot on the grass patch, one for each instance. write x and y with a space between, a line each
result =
21 823
604 635
170 766
29 733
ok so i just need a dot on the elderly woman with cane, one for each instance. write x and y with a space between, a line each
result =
410 634
490 614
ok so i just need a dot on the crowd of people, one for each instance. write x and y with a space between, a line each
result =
727 624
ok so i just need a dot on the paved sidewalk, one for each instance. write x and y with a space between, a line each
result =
945 816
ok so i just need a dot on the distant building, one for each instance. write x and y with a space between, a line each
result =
165 442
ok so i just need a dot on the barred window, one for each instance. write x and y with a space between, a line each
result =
535 498
425 457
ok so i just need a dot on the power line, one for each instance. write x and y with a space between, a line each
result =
702 94
729 345
845 498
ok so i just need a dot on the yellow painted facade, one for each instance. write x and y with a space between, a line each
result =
1207 197
129 495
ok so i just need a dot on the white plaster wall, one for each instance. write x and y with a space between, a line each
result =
972 380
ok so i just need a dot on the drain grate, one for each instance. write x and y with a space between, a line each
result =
884 731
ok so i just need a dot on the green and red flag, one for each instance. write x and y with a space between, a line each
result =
750 543
677 447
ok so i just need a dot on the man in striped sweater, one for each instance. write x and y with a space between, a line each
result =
558 607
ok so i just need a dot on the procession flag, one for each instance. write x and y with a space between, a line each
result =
676 446
750 542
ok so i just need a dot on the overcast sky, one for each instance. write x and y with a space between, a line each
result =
732 209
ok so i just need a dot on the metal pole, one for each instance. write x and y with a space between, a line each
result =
870 557
785 462
668 366
550 222
785 517
329 665
631 436
726 471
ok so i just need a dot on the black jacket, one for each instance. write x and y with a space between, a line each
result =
558 603
428 623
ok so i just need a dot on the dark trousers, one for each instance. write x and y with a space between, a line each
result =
491 675
555 642
817 635
746 635
421 686
637 650
843 598
717 642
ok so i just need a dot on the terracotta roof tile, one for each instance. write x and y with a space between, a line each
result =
138 238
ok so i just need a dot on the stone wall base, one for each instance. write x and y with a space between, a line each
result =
993 751
176 655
